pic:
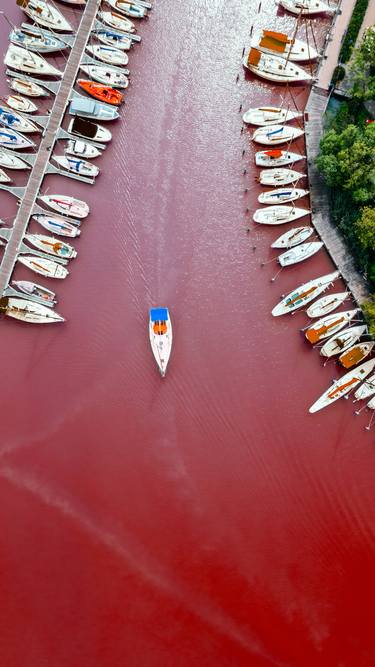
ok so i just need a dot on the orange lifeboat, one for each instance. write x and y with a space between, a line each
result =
101 92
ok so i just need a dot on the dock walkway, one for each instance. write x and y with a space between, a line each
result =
47 144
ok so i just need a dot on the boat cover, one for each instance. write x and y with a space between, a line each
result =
254 57
276 153
159 314
275 41
85 127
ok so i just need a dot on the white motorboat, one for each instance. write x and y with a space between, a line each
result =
279 176
88 130
36 40
276 158
28 311
273 68
366 389
12 161
278 134
14 140
45 267
87 108
299 253
329 325
293 237
51 246
117 21
105 75
66 205
305 293
342 341
343 386
28 62
282 195
46 15
326 304
19 103
15 121
112 38
77 165
57 224
33 289
279 215
281 45
4 178
81 149
160 332
355 354
108 54
306 7
128 8
269 116
28 88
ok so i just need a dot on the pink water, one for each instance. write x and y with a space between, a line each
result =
204 519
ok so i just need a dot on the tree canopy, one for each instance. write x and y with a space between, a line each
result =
362 68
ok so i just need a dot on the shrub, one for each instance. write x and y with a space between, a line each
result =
338 74
353 30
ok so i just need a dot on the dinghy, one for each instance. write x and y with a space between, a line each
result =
366 389
128 8
282 195
293 237
14 140
279 176
28 311
106 75
12 161
108 54
329 325
306 7
33 289
66 205
305 293
276 158
343 386
279 215
273 68
85 108
269 116
44 14
57 225
101 92
160 332
117 21
355 354
281 45
19 103
36 40
28 62
88 130
82 149
300 253
51 246
11 119
326 304
45 267
342 341
4 178
27 88
278 134
77 165
111 38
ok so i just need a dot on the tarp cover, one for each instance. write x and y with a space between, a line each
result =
275 41
158 314
254 57
84 127
275 153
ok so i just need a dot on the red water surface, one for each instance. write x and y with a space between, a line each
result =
206 519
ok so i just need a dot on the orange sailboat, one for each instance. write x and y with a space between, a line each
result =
101 92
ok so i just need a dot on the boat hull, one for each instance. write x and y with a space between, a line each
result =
161 336
346 384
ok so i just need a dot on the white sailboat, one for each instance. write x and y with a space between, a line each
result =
343 386
293 237
46 15
37 40
306 7
276 158
28 311
77 165
45 267
160 333
279 176
366 389
279 215
109 77
112 38
305 293
66 205
273 68
283 46
117 21
299 253
13 140
57 224
81 149
51 246
278 134
19 103
269 115
12 161
28 62
282 195
342 341
326 304
108 54
329 325
28 88
33 289
15 121
128 8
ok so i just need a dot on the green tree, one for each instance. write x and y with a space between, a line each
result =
369 312
362 68
365 227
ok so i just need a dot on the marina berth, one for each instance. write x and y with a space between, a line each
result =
101 92
326 304
27 88
160 334
269 115
279 215
88 130
329 325
274 68
283 46
342 341
279 176
113 38
282 195
77 165
19 103
81 149
14 120
11 161
117 21
278 134
85 108
28 311
45 267
306 7
130 9
366 389
57 224
276 158
106 75
34 39
66 205
293 237
51 246
343 386
33 289
108 54
28 62
13 140
45 14
305 293
299 253
355 354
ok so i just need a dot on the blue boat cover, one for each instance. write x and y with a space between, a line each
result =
275 131
159 314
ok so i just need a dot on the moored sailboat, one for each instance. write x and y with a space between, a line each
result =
28 62
342 341
276 158
45 267
293 237
108 54
19 103
77 165
305 293
278 134
329 325
279 176
343 386
282 195
283 46
306 7
45 14
57 224
101 92
279 215
106 75
33 289
269 115
117 21
51 246
299 253
326 304
66 205
28 311
273 68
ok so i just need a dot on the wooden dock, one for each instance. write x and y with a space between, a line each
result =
37 174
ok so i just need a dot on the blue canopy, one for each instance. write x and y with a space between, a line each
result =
159 314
